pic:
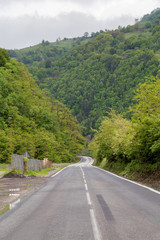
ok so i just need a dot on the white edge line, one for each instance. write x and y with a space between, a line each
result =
149 188
58 172
12 205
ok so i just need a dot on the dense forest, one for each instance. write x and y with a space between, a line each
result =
31 121
95 73
132 146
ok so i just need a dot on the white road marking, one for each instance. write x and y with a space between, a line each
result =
82 171
12 205
125 179
14 190
87 163
88 198
59 172
86 187
14 194
96 232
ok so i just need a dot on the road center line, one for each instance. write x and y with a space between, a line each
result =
96 232
86 187
82 171
88 198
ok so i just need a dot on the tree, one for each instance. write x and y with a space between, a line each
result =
5 151
86 35
48 63
114 139
4 57
147 115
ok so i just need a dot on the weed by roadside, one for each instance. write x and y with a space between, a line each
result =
4 169
148 174
4 209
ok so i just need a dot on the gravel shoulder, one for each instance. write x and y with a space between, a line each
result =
13 189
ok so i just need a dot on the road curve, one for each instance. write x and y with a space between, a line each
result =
85 203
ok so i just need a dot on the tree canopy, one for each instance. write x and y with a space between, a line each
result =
32 119
136 140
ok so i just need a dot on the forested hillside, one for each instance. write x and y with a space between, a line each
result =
31 121
100 72
132 146
43 54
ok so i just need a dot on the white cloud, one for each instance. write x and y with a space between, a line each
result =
28 22
101 9
46 28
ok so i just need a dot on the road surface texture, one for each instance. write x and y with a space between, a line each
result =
85 203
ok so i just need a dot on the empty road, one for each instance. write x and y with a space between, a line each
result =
85 203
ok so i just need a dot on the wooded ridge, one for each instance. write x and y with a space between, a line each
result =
31 121
93 74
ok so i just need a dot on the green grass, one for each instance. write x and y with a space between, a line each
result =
103 163
67 44
46 171
43 172
5 209
61 44
64 43
142 172
4 168
137 34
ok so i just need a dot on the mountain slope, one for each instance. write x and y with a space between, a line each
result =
31 121
104 71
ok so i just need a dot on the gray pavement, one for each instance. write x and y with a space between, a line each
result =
84 202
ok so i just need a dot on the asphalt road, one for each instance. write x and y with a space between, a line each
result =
85 203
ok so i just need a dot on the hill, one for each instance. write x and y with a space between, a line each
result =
45 52
100 72
29 120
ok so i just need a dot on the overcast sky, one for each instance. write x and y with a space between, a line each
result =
25 23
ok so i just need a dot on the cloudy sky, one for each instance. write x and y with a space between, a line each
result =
27 22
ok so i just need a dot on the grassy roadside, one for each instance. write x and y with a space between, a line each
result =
4 169
48 171
145 173
5 209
